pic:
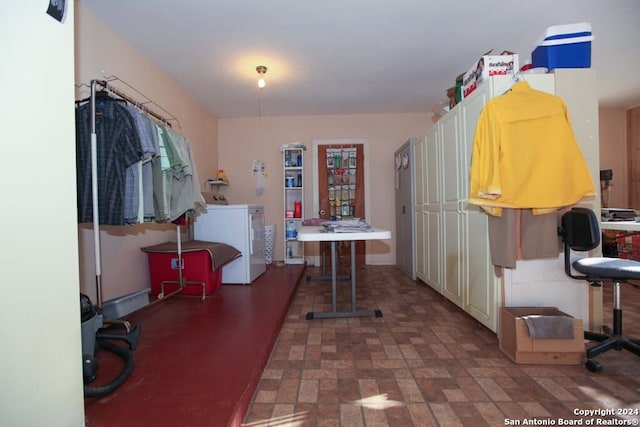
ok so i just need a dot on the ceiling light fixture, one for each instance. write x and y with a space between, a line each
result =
261 69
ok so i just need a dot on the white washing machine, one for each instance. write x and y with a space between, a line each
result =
241 226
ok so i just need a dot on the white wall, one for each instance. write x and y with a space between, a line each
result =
41 369
245 139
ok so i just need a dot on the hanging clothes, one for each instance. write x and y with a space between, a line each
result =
162 178
139 174
525 155
118 148
185 189
518 234
148 210
145 170
525 166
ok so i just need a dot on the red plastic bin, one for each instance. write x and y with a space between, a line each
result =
196 268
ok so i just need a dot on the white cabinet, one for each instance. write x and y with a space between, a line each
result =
452 240
293 166
420 180
431 210
480 285
427 209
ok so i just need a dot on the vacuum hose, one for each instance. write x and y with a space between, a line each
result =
128 359
92 339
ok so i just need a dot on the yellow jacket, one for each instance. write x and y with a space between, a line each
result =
525 154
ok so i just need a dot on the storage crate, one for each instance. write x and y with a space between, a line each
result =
628 245
564 46
200 278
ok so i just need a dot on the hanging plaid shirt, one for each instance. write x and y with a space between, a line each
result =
118 147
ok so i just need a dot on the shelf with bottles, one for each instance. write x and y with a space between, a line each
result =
293 158
293 169
293 181
294 249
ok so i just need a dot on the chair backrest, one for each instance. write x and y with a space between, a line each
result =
580 229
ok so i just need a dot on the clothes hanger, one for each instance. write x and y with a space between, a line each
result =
516 78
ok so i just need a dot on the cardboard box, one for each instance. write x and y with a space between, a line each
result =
486 66
516 343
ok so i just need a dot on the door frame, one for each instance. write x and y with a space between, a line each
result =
367 185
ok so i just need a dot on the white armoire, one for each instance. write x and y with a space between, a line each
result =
452 242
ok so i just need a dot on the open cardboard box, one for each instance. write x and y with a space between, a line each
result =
516 343
486 66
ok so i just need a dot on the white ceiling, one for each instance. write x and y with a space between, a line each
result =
358 56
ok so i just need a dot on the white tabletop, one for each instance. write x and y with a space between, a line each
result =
620 225
309 233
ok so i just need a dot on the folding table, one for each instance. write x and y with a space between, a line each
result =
320 234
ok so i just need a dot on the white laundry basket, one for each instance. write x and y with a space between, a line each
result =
269 242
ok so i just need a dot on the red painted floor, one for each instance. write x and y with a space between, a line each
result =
198 362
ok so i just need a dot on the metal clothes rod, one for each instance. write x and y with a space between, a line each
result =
109 88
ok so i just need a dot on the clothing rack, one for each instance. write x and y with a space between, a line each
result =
105 83
94 178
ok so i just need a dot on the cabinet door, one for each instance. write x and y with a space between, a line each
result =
432 211
480 280
419 160
419 174
449 130
404 207
452 227
482 285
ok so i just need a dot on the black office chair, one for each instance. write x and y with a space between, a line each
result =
580 231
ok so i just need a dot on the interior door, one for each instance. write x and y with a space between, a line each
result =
341 189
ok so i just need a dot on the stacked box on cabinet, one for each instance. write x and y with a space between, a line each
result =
564 46
200 269
488 65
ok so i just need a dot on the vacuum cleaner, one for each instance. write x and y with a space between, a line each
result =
95 337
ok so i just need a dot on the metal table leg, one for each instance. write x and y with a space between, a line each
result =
339 314
324 275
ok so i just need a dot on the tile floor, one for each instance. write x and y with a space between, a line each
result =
427 363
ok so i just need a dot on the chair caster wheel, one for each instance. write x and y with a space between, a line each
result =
593 366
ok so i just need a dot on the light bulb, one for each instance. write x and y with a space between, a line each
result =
261 69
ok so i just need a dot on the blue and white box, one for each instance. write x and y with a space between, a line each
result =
564 46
